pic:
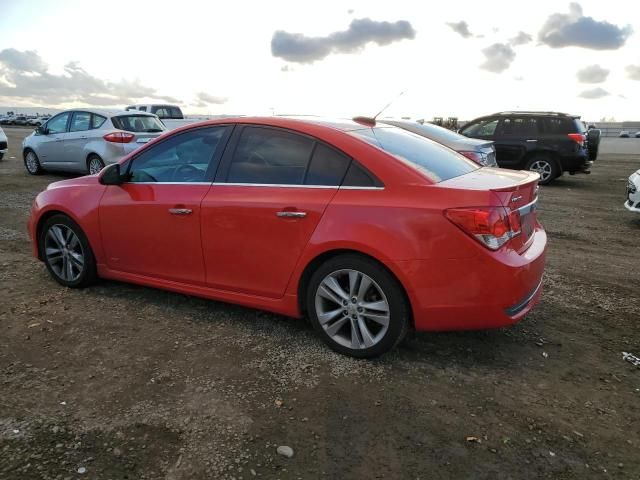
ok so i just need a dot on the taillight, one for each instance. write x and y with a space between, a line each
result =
579 138
119 137
475 156
491 226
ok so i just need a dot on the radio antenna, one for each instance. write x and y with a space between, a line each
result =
388 105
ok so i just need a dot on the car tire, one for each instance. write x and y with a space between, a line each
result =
357 307
66 252
545 166
32 163
94 164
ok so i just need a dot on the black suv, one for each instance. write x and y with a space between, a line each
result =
549 143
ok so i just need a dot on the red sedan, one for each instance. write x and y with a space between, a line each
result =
367 229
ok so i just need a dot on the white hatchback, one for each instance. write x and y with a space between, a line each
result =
633 193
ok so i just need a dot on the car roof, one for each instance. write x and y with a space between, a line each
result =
343 124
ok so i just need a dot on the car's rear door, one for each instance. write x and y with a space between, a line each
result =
150 225
75 141
515 137
270 193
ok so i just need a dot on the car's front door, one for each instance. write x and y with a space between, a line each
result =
150 225
50 149
270 193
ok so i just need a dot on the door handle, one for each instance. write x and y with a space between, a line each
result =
180 211
287 214
532 140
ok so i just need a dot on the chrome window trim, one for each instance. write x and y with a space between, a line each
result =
276 185
167 183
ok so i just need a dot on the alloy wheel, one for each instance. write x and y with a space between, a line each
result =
352 309
63 252
543 167
95 165
32 162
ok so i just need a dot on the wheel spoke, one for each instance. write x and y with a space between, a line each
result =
73 243
56 234
324 292
326 317
365 283
353 282
355 337
379 306
337 325
77 259
382 319
367 338
332 283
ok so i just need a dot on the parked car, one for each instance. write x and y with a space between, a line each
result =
86 140
480 151
4 143
170 115
367 229
549 143
637 135
7 120
37 121
624 134
633 192
20 121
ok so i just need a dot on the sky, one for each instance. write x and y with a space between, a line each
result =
339 59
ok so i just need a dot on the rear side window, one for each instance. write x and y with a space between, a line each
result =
357 176
562 125
270 156
437 162
137 123
97 120
80 122
143 109
520 127
166 111
327 167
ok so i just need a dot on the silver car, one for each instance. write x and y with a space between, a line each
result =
84 141
480 151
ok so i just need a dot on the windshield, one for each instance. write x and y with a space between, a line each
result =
138 123
437 162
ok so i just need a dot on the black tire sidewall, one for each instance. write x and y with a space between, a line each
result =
398 304
554 167
88 275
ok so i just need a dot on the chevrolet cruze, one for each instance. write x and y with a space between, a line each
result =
367 229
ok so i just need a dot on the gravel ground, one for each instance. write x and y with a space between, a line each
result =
125 382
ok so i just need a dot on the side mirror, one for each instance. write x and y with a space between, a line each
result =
42 130
110 175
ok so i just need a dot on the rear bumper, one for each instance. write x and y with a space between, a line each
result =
489 290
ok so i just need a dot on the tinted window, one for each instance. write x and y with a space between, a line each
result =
270 156
483 128
357 176
520 127
165 111
182 158
436 161
562 125
138 123
143 109
80 122
327 167
97 120
58 124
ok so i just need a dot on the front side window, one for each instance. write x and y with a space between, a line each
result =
58 124
437 162
80 122
483 128
186 157
270 156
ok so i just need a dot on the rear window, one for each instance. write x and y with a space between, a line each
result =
437 162
138 123
563 125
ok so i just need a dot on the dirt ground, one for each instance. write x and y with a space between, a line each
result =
125 382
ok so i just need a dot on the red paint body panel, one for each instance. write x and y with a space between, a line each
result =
233 247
